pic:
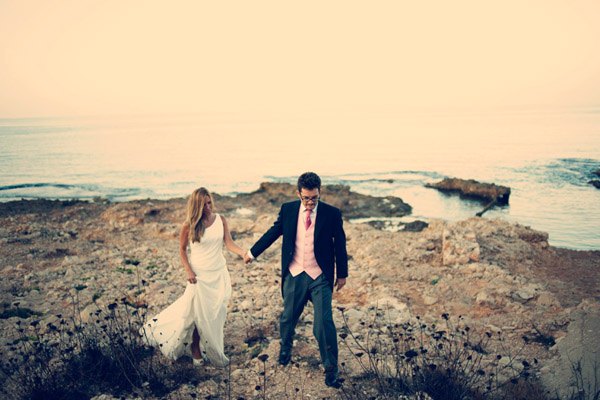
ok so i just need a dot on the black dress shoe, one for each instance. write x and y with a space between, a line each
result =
285 357
332 380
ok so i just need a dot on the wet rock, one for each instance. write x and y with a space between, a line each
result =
415 226
352 204
378 224
152 212
473 189
595 183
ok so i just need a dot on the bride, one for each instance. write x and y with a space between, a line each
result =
198 316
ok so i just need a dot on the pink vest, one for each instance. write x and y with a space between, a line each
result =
304 254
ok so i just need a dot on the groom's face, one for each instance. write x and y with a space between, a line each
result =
309 197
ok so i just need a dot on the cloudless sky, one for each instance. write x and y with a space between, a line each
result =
93 57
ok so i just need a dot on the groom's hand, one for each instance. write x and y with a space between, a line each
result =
339 284
247 259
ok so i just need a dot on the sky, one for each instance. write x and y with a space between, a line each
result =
97 57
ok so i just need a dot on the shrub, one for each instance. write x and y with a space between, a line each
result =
73 359
446 361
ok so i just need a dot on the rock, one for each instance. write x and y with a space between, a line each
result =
577 350
388 302
530 236
546 300
34 296
493 328
152 212
429 300
459 246
21 267
105 397
482 297
210 386
595 183
237 374
87 314
415 226
122 215
378 224
523 295
352 204
246 305
504 361
473 189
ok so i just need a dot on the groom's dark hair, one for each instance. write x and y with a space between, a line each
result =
309 180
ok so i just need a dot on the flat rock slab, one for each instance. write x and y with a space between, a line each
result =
352 204
473 189
579 349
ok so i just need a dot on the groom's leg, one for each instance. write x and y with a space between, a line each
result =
323 327
295 291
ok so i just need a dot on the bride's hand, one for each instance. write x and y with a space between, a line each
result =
191 277
246 257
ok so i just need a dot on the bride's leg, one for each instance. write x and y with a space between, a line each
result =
196 344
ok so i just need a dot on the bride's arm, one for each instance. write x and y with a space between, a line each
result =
184 237
229 243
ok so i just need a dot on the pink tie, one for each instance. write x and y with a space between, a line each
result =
307 222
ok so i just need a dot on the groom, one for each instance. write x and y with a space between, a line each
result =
313 251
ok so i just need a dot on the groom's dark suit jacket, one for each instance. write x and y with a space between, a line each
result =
330 240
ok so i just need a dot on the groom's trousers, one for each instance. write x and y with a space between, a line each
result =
296 292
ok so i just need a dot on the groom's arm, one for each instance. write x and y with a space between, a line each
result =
269 237
339 242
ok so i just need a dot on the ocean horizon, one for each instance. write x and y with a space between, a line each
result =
545 157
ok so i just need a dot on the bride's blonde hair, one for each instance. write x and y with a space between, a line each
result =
195 213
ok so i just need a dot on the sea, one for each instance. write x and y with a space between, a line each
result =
547 158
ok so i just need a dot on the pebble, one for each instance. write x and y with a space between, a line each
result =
429 300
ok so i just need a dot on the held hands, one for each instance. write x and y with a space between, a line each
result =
247 258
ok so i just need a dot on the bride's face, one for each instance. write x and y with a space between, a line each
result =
207 205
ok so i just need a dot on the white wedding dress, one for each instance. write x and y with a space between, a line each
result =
203 304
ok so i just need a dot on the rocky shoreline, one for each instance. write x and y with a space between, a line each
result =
498 276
